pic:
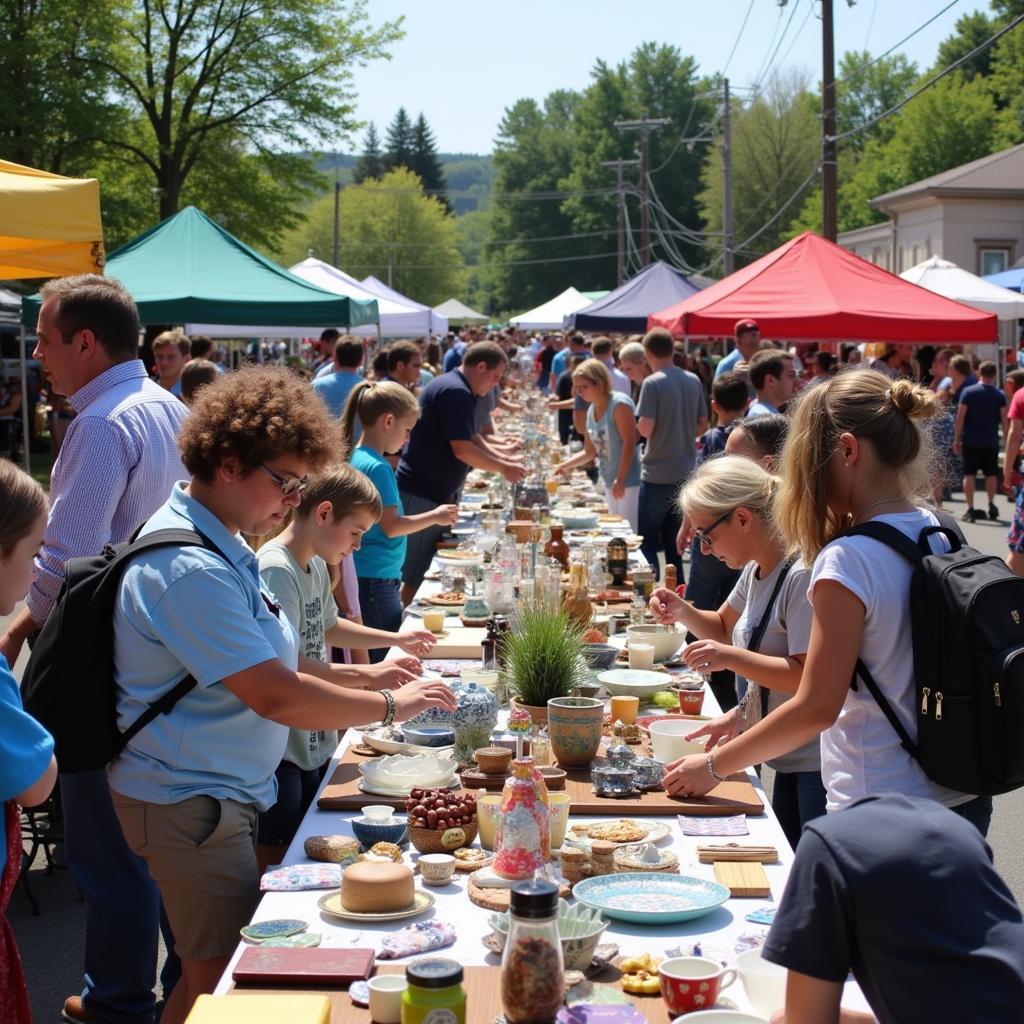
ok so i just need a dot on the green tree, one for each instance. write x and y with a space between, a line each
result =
424 162
371 163
398 147
775 150
863 92
389 229
969 32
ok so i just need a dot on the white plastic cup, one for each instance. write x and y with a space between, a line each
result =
764 982
641 656
386 998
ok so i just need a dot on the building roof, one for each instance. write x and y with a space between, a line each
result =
1001 172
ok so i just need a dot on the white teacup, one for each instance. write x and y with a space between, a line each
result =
433 620
669 742
436 868
765 982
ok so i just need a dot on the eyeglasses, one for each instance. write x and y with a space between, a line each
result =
289 485
704 536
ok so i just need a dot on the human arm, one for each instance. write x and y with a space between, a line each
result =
394 525
564 403
684 536
702 425
579 420
41 789
383 675
1013 439
626 425
1004 422
645 426
780 672
668 607
22 626
814 1001
474 455
961 415
356 636
583 458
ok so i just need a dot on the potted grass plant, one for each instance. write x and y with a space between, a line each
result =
543 658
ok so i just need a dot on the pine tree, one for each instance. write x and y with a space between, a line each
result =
370 164
399 150
425 162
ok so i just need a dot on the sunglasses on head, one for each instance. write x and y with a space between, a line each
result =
289 485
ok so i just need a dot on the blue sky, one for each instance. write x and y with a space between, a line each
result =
462 62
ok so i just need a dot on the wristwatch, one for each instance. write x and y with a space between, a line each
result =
709 763
389 715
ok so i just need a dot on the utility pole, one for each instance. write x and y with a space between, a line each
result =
828 125
645 125
727 225
337 211
619 166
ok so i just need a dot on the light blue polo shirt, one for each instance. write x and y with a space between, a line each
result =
379 556
184 610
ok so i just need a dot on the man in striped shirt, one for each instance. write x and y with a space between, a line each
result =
116 467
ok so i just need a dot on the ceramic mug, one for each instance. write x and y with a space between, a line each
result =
624 709
488 809
641 656
433 620
436 868
386 998
690 983
765 982
558 804
575 728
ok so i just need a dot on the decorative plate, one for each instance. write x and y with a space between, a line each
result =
377 740
279 928
331 905
653 832
644 898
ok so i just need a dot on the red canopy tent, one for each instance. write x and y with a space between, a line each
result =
812 288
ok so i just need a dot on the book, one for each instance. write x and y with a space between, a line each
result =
261 965
247 1009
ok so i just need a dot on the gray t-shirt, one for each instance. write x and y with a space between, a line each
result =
305 598
485 406
788 633
674 399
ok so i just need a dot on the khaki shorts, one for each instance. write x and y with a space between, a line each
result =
201 854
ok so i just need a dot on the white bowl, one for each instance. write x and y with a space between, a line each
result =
765 982
668 739
633 682
399 771
666 640
720 1017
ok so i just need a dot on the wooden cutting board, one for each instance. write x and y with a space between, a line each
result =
459 642
342 792
743 878
483 996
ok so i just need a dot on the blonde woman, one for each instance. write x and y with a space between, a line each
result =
762 630
855 452
611 439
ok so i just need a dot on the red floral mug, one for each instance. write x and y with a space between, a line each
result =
691 983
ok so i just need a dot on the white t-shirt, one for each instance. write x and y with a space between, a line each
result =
861 753
788 633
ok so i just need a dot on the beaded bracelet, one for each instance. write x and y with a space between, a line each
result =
389 699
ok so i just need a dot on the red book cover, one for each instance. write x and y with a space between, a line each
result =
260 965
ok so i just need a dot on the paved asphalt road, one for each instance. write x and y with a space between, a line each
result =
51 944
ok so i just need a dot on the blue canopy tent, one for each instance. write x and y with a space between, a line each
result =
626 309
1012 279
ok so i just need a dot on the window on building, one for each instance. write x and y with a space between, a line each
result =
993 259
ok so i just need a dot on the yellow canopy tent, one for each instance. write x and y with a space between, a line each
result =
50 226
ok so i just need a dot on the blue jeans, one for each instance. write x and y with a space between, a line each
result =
659 520
381 605
123 913
296 788
797 798
977 811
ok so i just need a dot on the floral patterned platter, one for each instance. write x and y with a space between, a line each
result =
644 898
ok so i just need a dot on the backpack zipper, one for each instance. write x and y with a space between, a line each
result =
938 705
925 694
996 694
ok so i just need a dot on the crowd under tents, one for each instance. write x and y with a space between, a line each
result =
459 314
434 321
812 288
625 310
550 315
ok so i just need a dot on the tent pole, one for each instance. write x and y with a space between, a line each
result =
26 437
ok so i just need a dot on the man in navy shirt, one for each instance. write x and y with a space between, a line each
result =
980 413
903 893
443 446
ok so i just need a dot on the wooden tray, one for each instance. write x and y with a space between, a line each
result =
483 996
460 642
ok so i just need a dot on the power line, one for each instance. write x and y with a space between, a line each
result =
799 33
739 36
771 43
764 73
782 209
931 81
504 263
919 28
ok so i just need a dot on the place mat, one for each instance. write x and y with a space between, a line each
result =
342 792
483 996
733 825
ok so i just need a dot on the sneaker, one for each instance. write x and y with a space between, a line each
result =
74 1012
970 516
993 512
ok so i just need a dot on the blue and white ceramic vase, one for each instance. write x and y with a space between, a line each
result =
476 715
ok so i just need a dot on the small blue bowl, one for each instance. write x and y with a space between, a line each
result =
371 832
428 735
600 655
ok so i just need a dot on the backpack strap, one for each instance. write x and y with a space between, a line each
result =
162 539
869 681
754 644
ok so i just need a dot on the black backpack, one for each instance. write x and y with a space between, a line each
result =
967 625
69 681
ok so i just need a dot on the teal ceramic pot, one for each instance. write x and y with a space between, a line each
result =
574 726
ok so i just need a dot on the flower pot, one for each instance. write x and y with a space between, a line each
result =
575 727
538 715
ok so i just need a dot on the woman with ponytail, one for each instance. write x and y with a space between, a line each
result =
855 452
762 630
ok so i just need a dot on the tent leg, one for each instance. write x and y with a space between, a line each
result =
26 437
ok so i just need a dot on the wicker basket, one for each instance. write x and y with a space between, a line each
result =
435 840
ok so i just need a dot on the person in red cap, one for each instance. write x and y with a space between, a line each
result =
748 341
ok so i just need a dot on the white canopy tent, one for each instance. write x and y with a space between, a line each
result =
459 312
438 324
549 315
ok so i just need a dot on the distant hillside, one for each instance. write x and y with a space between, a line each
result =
470 176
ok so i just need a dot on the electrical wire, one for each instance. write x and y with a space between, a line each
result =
927 85
799 33
782 209
739 36
871 25
505 263
789 21
919 28
771 43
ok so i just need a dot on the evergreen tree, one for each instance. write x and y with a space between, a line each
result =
371 163
399 150
425 162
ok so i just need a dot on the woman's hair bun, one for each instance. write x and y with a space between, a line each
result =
914 401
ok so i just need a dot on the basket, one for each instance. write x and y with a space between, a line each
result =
434 840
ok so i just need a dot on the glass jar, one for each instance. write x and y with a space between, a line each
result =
618 560
532 970
523 842
435 994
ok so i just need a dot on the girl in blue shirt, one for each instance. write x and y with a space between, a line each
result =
387 412
27 766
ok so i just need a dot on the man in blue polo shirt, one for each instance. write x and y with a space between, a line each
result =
748 341
443 446
334 387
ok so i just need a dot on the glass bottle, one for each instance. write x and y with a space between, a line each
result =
532 969
618 560
435 992
523 841
577 599
556 546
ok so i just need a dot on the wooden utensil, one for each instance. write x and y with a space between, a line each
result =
737 852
